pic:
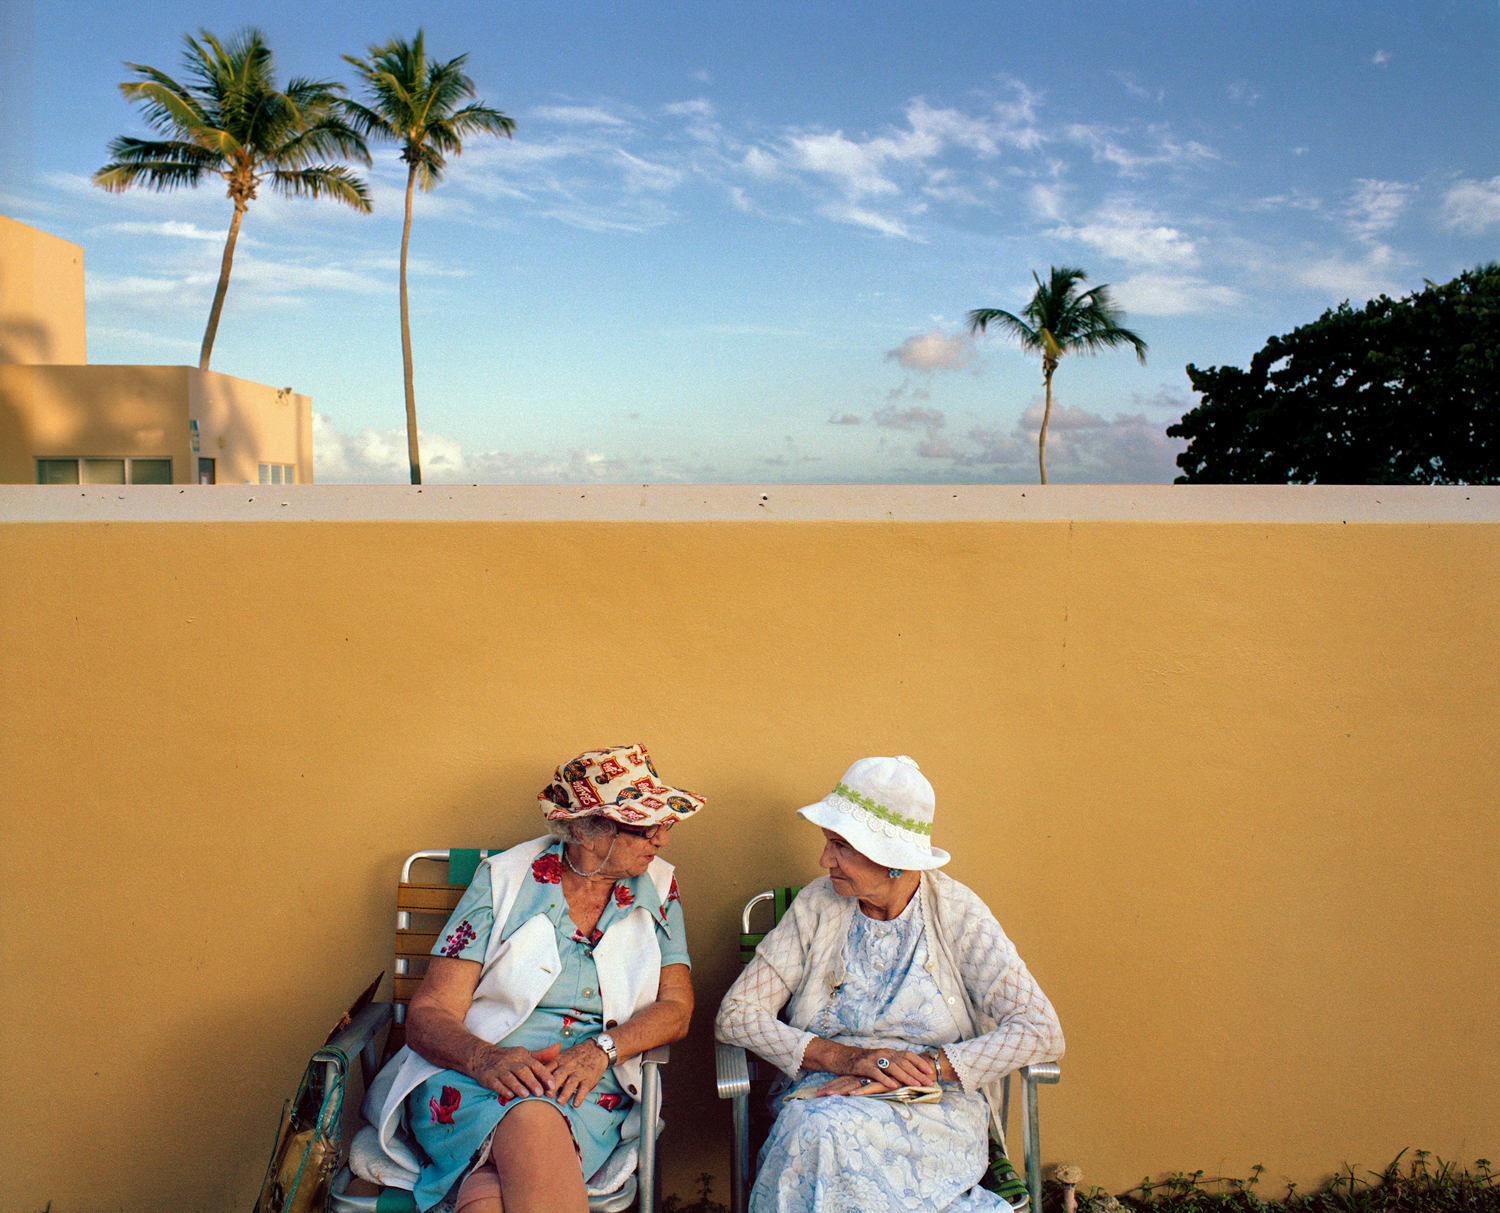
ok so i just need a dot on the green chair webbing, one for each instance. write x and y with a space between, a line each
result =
780 899
462 864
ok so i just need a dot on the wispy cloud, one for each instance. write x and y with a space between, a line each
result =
1472 206
1162 148
1151 294
1376 206
1131 233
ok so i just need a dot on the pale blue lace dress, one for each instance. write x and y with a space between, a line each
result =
850 1154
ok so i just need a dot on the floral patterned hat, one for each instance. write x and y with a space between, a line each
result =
619 782
883 808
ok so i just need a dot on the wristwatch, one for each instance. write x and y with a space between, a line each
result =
606 1042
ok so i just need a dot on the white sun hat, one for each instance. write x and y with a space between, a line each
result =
883 808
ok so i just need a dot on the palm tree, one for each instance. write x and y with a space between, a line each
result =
232 121
412 103
1060 321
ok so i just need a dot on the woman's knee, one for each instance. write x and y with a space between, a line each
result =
532 1126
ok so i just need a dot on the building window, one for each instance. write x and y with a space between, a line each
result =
278 473
104 471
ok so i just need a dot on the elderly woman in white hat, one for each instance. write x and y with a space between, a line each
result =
891 975
564 961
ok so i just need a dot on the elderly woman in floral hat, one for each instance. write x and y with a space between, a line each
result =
892 975
564 961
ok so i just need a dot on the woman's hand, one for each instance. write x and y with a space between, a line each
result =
901 1068
577 1071
514 1072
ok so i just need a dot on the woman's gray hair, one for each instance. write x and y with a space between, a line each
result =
582 830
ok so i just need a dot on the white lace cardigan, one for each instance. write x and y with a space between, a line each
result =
1002 1020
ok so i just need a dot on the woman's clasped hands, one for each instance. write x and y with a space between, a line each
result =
562 1074
870 1071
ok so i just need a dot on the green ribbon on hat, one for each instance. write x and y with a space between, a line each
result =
880 811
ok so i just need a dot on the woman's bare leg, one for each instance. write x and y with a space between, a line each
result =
480 1192
538 1162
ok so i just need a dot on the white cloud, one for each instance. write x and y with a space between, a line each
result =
1472 206
1152 294
1338 278
643 175
131 337
578 115
1376 206
1046 201
1381 58
854 168
864 217
173 227
1164 150
379 457
934 351
1136 89
1131 234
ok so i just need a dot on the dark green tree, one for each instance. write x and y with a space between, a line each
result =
413 101
231 121
1059 320
1403 391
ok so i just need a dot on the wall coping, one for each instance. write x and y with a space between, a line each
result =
745 503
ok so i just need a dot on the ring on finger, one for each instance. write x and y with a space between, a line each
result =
883 1062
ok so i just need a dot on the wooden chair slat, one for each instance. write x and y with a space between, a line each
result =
428 896
415 943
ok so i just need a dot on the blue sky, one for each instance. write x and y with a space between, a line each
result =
738 243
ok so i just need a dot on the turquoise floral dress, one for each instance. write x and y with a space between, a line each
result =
451 1116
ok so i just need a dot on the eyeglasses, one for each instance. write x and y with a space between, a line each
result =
644 831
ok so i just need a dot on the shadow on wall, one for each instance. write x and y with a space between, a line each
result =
24 341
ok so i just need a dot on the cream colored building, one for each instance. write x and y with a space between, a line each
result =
65 422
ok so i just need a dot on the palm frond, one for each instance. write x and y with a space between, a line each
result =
119 175
323 181
980 320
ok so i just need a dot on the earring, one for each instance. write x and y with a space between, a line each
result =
893 872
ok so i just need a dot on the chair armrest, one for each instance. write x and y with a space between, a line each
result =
733 1069
361 1029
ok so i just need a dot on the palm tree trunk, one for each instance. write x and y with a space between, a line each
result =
411 394
213 314
1048 366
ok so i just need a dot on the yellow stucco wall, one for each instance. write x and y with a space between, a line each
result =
41 297
1223 762
242 424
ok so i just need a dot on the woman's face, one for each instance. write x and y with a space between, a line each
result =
852 874
634 853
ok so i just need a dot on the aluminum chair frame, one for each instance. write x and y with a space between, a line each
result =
732 1066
